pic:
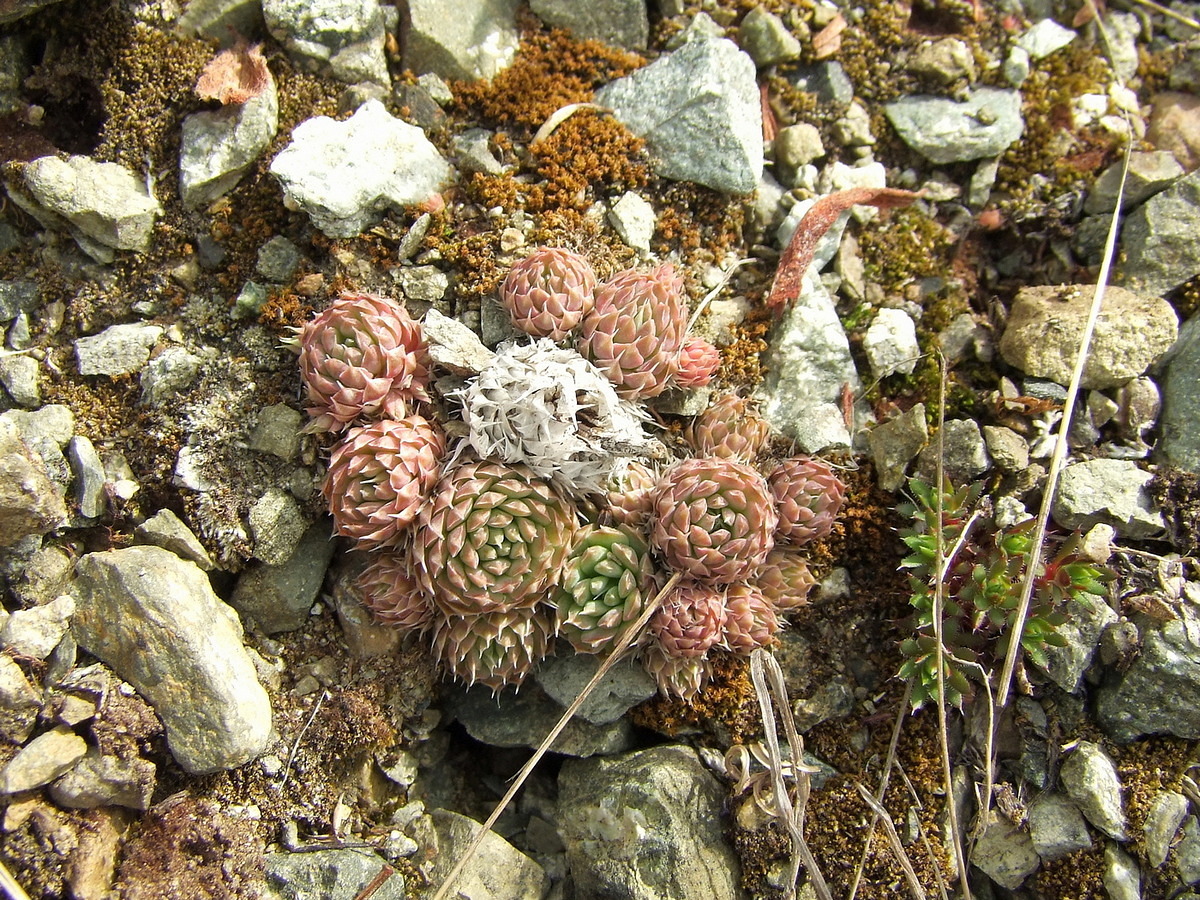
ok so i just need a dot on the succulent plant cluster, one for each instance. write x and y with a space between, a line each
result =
982 589
551 519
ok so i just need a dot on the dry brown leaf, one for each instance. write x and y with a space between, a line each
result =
798 254
828 40
234 75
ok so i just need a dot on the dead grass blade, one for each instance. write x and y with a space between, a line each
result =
910 874
631 634
9 885
937 869
798 255
764 666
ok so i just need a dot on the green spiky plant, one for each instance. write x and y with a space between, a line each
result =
982 589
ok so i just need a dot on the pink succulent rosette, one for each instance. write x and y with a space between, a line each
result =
698 363
809 496
548 292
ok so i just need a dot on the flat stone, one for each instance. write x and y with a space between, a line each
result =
1045 324
1160 240
1057 827
1005 853
36 631
698 109
1110 492
895 443
626 685
618 23
321 170
168 375
19 375
1043 38
89 477
103 203
891 343
946 131
279 597
30 503
19 702
1179 438
42 760
454 346
660 804
98 780
165 529
219 146
1166 814
331 874
117 350
1090 779
343 39
479 41
156 621
498 870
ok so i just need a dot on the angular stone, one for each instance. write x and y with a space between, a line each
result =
498 872
1057 827
42 760
19 702
891 343
343 39
98 780
155 620
1160 240
19 375
279 597
895 443
964 453
168 374
30 503
1087 617
321 170
1005 853
1179 438
945 131
89 477
698 109
165 529
1149 173
36 631
626 685
330 875
1045 325
276 524
763 35
619 23
479 41
1163 819
1090 779
616 814
117 350
1110 492
219 146
277 431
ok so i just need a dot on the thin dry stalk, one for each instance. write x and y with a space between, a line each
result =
763 666
627 639
910 874
937 869
9 885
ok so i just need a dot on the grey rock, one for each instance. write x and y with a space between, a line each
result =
498 871
19 375
1160 692
1016 67
763 35
250 301
963 450
943 61
1057 827
332 874
831 700
365 635
646 825
895 444
1166 814
853 128
276 524
1149 172
36 631
105 206
808 363
1122 29
524 718
479 41
47 574
891 343
1179 438
17 297
634 220
219 146
277 259
1005 853
1187 852
321 170
165 529
1008 450
19 702
699 111
340 38
277 431
1043 38
1087 617
1045 325
1090 779
798 145
455 347
1160 240
279 597
946 131
620 23
1122 876
45 432
828 80
117 350
181 649
98 780
473 152
1108 491
89 477
168 375
423 284
42 760
222 20
626 685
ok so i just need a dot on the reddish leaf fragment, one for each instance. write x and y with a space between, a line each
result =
798 254
770 125
828 41
234 75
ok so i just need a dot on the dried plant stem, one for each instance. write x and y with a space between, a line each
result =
910 874
12 890
626 640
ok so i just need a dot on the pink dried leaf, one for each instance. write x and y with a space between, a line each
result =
828 41
235 75
798 254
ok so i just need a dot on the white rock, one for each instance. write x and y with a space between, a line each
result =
891 343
